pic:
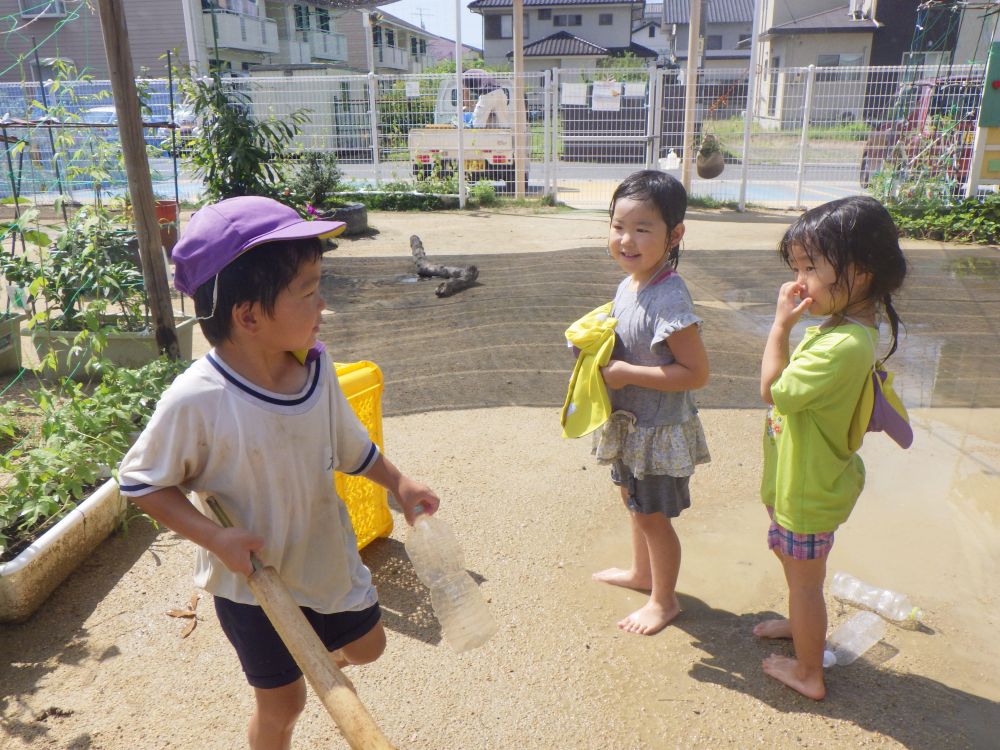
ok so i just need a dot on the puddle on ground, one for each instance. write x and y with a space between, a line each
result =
969 265
915 363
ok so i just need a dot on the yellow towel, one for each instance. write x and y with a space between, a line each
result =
587 406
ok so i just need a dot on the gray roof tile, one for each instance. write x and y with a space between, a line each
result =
480 4
719 11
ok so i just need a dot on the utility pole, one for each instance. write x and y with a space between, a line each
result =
421 12
140 185
690 91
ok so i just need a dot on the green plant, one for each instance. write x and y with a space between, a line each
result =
91 158
235 153
624 67
83 436
708 145
483 194
88 273
968 220
314 181
398 113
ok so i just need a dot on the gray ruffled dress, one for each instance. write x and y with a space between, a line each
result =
652 432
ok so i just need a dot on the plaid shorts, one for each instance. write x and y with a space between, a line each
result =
798 546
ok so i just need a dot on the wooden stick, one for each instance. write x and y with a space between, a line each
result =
331 685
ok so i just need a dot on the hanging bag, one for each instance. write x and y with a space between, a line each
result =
880 409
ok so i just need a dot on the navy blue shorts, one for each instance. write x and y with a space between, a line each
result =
654 493
265 660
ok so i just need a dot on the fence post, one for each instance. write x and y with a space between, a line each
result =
652 118
459 104
554 132
804 139
546 124
751 103
373 125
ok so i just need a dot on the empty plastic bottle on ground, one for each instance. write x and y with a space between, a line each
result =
856 636
458 605
890 604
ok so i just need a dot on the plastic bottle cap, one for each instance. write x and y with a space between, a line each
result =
829 659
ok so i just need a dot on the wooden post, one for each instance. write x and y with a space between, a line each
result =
140 184
690 92
520 119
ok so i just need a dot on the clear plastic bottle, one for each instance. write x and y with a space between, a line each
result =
458 604
856 636
890 604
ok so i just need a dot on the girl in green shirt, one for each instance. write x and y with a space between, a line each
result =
847 263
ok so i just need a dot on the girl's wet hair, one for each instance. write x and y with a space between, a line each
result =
664 192
858 232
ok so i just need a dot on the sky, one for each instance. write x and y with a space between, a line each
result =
439 18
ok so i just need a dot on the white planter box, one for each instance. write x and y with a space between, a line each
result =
28 579
10 342
123 349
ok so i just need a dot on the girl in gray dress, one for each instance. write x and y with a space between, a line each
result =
654 438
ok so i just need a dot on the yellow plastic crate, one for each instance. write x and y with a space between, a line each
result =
367 502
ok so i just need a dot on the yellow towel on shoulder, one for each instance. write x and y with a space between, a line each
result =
587 406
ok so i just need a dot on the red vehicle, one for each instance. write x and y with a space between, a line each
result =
929 133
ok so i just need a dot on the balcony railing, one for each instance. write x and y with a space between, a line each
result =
328 45
392 57
295 52
238 31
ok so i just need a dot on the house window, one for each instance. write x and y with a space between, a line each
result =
605 19
652 31
491 27
744 37
377 35
545 14
423 46
390 37
301 18
506 27
42 8
323 19
567 19
839 61
413 45
713 41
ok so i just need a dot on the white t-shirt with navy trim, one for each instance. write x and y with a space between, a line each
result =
268 458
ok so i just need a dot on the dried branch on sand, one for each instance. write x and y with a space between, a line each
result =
458 277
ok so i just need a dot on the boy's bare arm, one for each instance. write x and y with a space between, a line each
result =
171 508
408 492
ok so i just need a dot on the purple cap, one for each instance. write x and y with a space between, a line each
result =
218 234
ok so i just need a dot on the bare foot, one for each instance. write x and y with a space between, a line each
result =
650 619
773 629
788 670
624 578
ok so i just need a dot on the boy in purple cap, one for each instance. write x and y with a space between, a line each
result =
260 423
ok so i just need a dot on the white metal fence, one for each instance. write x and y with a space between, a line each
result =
816 133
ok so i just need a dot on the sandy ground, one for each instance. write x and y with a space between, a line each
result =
101 666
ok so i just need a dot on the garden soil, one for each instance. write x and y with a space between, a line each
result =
473 386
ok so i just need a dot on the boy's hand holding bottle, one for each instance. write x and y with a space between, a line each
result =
415 498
